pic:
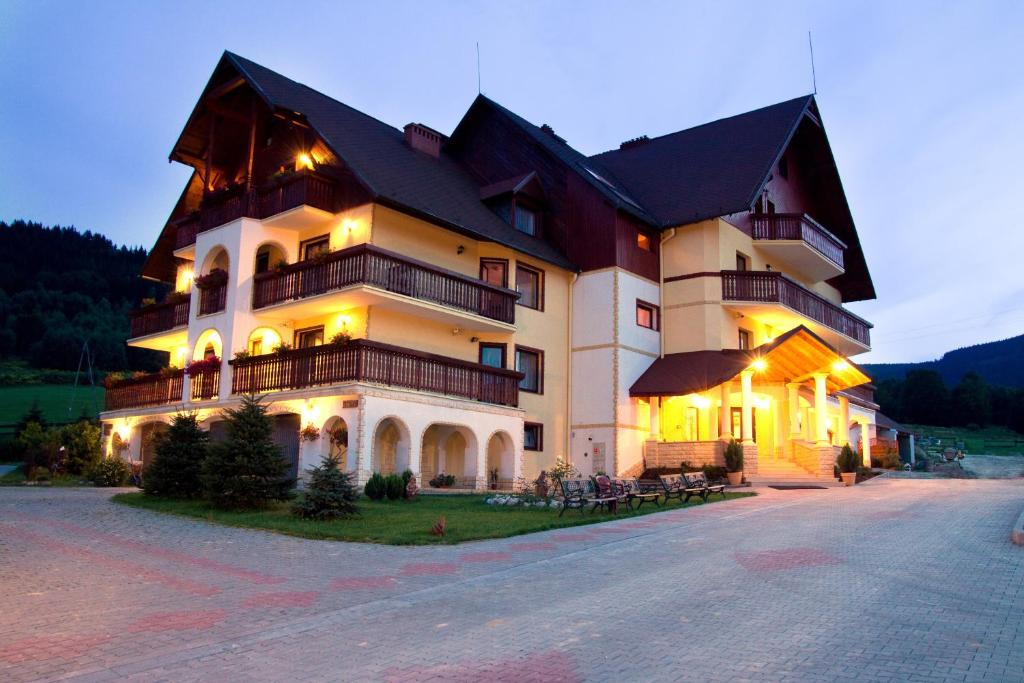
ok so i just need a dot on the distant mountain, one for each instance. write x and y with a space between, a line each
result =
999 362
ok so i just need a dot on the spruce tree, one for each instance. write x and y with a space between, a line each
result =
330 493
34 414
246 470
180 452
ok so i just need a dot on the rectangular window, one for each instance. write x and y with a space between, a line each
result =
744 340
315 246
262 261
526 220
494 271
530 285
533 436
308 338
742 262
530 362
692 425
256 347
492 355
643 240
646 315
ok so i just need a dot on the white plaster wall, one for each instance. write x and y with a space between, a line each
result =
593 393
592 309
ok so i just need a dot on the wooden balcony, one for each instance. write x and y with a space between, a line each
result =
376 363
370 266
158 318
800 242
150 390
204 385
302 188
771 287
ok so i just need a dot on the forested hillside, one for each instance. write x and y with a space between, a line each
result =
60 287
999 362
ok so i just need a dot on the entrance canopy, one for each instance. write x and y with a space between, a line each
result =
795 356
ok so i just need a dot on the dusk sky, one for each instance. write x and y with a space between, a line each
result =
923 104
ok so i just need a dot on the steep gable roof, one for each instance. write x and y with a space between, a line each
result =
714 169
436 189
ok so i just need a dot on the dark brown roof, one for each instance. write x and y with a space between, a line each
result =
886 422
712 170
685 373
437 189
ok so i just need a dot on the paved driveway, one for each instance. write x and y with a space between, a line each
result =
891 580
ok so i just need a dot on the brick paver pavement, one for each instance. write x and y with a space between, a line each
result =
893 580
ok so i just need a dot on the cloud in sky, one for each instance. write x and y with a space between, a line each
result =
921 101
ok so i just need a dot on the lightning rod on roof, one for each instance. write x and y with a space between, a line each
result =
814 78
478 68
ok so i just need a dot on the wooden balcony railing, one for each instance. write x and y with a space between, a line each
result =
774 287
204 385
159 317
366 264
296 189
213 299
367 361
797 226
151 390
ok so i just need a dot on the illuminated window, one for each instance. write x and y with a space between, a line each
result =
304 339
256 347
315 247
646 315
643 240
692 424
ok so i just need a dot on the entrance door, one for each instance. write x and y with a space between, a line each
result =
737 424
286 435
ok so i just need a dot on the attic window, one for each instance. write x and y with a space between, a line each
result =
643 240
525 220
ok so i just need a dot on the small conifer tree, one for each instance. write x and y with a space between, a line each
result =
330 493
246 470
177 468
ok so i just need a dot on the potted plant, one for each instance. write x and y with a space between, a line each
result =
848 461
734 463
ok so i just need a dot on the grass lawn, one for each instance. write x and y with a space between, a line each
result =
54 400
402 522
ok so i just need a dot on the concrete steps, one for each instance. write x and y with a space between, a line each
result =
775 472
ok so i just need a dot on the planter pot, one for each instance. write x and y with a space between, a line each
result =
849 478
494 487
735 478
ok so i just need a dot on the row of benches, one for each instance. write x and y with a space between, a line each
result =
606 493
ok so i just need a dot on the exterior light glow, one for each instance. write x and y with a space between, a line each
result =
700 401
760 365
188 276
304 160
348 224
762 403
840 366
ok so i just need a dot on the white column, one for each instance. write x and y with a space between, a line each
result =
820 409
844 420
654 433
793 390
913 456
865 444
725 414
747 419
481 466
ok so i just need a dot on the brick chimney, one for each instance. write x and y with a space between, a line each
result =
635 142
423 139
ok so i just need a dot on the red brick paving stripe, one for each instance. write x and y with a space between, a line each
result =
285 599
123 566
532 547
163 553
188 620
49 647
362 582
486 557
786 558
429 569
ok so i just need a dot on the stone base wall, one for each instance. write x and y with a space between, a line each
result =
697 453
818 460
749 458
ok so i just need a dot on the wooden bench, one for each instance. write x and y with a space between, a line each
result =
698 480
636 490
578 493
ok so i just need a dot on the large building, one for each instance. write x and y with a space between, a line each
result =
483 303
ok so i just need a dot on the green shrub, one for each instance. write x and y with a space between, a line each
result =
714 472
330 493
889 461
246 470
443 481
177 468
395 486
734 456
82 449
109 472
848 460
686 466
376 487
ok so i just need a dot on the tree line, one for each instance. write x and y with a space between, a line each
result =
922 397
60 287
